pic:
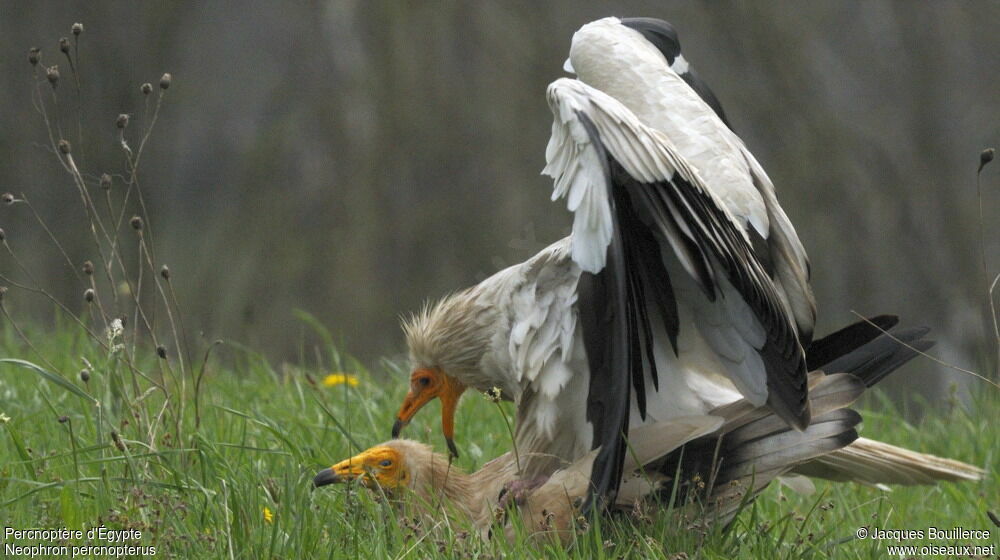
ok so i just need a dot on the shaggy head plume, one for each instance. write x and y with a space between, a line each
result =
453 334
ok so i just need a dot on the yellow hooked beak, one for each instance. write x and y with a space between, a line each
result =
425 385
379 465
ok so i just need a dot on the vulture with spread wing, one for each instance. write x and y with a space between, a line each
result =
683 286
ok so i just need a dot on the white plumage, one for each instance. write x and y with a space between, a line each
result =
683 291
621 63
639 157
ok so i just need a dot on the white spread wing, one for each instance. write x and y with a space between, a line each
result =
622 177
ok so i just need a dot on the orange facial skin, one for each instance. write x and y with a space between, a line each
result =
426 384
381 466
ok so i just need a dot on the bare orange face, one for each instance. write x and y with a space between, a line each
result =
426 384
380 465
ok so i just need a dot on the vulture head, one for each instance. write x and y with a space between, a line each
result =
381 466
427 384
412 475
447 342
392 467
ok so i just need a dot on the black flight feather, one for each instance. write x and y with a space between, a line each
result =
602 304
876 359
845 340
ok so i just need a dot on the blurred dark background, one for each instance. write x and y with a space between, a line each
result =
353 159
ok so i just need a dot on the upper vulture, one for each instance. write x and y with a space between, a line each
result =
683 286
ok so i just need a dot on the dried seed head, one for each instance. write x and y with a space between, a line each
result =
161 352
7 198
63 419
136 222
3 235
118 441
77 29
34 55
3 292
165 80
986 157
64 146
122 121
88 295
88 268
85 375
165 272
64 44
105 181
146 88
52 73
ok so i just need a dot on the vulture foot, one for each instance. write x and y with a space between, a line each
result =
514 492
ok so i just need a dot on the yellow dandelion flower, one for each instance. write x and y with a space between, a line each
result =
268 516
335 379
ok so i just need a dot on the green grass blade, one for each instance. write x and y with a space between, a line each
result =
48 375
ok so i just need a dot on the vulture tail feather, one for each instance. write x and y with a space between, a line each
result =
874 463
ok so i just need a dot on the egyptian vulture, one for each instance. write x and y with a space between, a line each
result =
683 286
738 449
401 466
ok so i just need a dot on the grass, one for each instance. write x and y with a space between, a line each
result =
264 432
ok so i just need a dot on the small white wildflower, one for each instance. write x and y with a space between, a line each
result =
474 451
4 418
115 330
493 395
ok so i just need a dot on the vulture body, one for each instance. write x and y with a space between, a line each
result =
682 288
714 462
